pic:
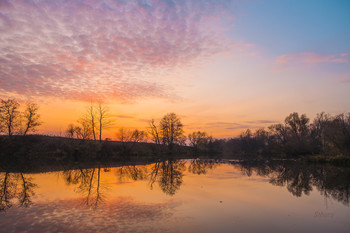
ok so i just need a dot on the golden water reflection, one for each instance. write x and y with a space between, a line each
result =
178 196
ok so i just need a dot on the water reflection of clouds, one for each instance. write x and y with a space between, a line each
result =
122 214
238 176
212 194
259 179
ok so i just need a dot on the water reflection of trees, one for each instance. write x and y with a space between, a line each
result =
300 178
88 183
169 175
15 187
132 172
201 166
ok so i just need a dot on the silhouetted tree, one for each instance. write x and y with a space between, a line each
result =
318 131
90 116
171 130
198 140
70 132
103 118
129 138
97 118
84 130
31 118
215 146
337 134
298 125
280 133
9 116
248 143
154 132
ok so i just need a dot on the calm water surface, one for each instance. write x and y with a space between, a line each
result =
178 196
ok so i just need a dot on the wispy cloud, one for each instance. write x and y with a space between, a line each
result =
262 122
310 57
102 49
125 116
221 123
242 127
234 125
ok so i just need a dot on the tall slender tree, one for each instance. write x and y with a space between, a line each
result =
154 131
103 118
92 118
31 118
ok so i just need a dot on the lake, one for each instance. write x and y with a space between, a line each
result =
179 196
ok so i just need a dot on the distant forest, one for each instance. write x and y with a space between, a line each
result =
298 136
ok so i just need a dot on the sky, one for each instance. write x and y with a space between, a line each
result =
222 66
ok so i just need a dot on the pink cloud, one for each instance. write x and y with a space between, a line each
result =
310 57
102 49
346 80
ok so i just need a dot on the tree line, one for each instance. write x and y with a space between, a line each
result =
325 135
167 133
297 135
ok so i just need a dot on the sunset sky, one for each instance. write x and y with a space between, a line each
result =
222 66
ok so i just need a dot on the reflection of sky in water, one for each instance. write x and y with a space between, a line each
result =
120 214
206 198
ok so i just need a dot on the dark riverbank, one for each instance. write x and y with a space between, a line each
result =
338 160
39 153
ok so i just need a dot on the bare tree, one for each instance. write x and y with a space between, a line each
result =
9 116
70 131
94 120
198 139
84 131
154 131
129 138
91 116
171 129
103 118
31 118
